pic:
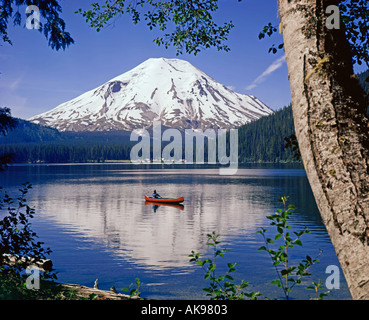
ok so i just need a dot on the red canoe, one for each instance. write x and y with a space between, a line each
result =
164 200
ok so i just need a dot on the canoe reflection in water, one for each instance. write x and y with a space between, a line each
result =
156 205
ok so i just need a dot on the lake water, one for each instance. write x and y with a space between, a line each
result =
95 220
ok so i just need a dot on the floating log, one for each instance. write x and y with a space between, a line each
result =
81 291
87 293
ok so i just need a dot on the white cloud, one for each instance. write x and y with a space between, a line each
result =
273 67
13 84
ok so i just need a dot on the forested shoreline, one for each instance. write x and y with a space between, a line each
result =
259 141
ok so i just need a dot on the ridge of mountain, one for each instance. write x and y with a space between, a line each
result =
172 91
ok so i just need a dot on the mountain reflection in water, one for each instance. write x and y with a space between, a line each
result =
104 206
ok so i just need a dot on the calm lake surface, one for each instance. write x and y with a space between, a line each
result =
94 219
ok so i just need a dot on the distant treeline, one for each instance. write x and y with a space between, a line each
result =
259 141
64 153
263 140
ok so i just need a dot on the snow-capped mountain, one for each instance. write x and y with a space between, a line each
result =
172 91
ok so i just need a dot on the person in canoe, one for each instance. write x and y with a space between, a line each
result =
156 195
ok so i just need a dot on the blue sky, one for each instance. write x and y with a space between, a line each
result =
34 78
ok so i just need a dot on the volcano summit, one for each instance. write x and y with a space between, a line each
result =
171 91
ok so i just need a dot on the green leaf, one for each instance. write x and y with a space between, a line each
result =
284 272
227 276
277 236
276 282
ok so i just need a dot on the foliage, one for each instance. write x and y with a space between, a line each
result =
53 28
19 249
288 275
317 286
224 288
355 17
7 123
194 27
269 30
18 241
291 142
134 292
221 287
5 160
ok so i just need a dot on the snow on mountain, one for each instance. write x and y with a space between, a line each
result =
172 91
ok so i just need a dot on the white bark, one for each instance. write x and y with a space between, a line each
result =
332 132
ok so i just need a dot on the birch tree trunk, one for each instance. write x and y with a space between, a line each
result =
332 131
